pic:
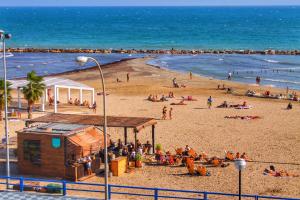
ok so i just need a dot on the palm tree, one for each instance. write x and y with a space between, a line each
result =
33 91
2 96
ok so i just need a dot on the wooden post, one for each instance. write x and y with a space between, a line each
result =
43 102
125 135
69 94
93 96
80 96
19 98
135 139
153 138
55 99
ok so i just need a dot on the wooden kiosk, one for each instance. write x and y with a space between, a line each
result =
58 150
57 144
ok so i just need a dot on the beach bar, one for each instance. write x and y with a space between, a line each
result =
59 150
135 123
53 85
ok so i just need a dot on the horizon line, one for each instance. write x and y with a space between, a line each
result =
260 5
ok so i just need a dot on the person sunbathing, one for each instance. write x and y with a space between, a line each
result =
243 117
188 98
217 162
180 103
223 105
245 157
171 95
202 171
70 101
77 102
229 156
290 106
179 151
280 173
163 98
175 84
190 166
203 156
169 158
186 150
238 105
150 97
85 103
51 101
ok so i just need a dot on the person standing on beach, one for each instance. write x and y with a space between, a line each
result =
229 76
127 77
170 113
209 102
164 113
191 75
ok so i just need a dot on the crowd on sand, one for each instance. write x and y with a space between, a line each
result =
197 164
75 102
244 105
188 157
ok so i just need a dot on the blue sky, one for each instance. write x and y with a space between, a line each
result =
144 2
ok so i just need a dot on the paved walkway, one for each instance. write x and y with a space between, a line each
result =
33 196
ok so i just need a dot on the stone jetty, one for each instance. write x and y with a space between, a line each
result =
159 51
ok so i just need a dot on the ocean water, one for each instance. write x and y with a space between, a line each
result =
275 70
255 28
51 63
153 27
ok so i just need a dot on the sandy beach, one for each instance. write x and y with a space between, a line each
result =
274 138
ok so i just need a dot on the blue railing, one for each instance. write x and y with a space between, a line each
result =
155 193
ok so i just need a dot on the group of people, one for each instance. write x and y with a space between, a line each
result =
155 98
244 105
85 103
127 78
278 173
187 156
164 113
87 163
176 85
128 150
258 79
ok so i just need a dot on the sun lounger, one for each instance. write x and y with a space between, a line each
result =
178 104
189 98
243 107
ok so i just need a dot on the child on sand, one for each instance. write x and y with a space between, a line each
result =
290 106
127 77
164 113
170 113
209 102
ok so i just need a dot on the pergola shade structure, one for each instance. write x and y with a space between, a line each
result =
136 123
54 83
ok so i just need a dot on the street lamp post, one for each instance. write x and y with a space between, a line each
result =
3 37
240 164
83 60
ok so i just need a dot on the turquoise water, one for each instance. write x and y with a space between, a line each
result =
255 28
51 63
275 70
154 27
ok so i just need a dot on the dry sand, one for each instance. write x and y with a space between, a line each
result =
274 138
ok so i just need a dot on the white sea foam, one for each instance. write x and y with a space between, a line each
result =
271 61
282 81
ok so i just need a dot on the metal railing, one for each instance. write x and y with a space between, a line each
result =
153 193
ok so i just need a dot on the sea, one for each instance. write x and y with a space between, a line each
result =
256 28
